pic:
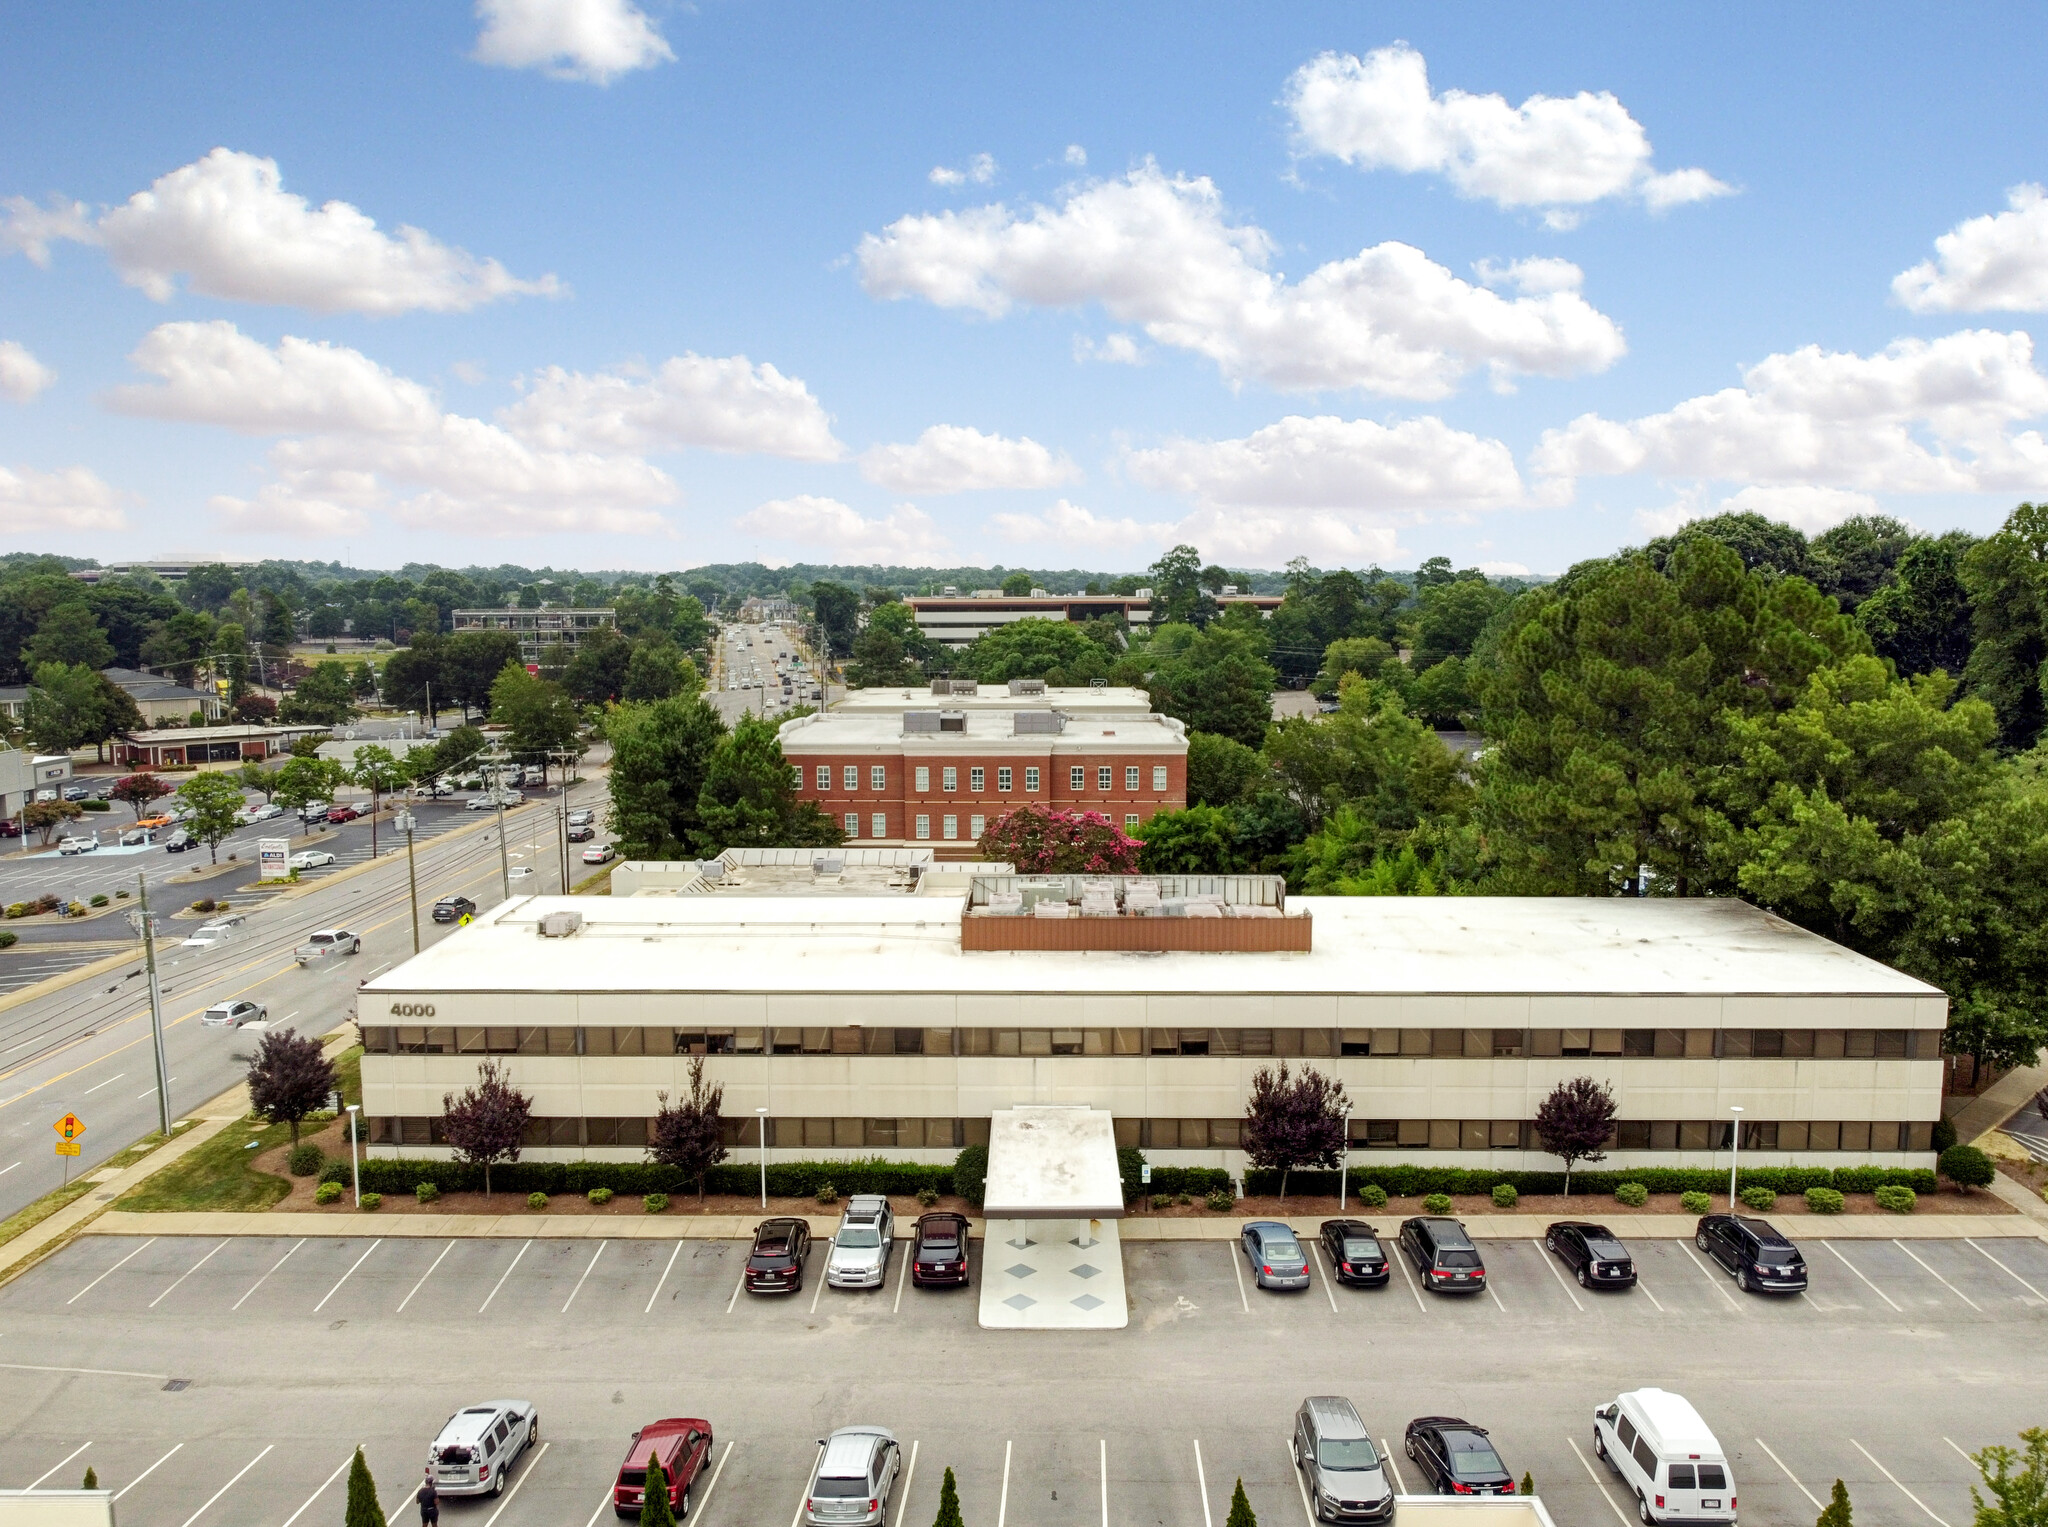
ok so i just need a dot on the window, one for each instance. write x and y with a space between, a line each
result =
975 826
849 778
949 778
796 775
1103 774
853 824
878 826
924 828
878 778
1003 778
1159 777
1130 820
1077 778
950 827
924 778
977 781
1030 780
824 777
1131 779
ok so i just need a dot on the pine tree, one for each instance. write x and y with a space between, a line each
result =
655 1510
363 1510
91 1481
949 1504
1240 1510
1528 1484
1837 1512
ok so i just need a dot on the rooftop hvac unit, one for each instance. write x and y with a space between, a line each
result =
1038 722
920 721
942 686
965 687
1027 686
560 924
952 720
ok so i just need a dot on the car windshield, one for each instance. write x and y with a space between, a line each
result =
1351 1453
1283 1251
1607 1251
1457 1259
1472 1456
1777 1256
861 1238
1363 1246
839 1489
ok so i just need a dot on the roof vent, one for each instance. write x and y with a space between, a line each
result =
560 924
942 686
920 721
1027 686
1027 723
952 720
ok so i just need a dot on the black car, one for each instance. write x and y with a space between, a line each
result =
1591 1252
1354 1250
938 1249
450 909
582 834
1443 1255
776 1264
179 841
1762 1260
1455 1457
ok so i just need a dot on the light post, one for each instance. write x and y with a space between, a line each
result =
1735 1142
355 1166
762 1115
405 822
1344 1168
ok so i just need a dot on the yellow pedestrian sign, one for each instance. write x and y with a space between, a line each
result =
69 1128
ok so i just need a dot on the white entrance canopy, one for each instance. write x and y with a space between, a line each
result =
1049 1162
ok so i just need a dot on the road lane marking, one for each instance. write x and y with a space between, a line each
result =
60 1464
1817 1505
585 1278
139 1478
1315 1255
1550 1262
1202 1484
1003 1507
1943 1281
152 1091
95 1087
359 1261
423 1278
160 1298
1704 1273
138 1251
661 1280
1395 1256
501 1280
331 1478
1598 1483
105 1373
274 1266
1237 1272
195 1516
518 1484
1888 1474
2022 1282
1887 1298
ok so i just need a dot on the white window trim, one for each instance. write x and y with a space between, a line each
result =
924 828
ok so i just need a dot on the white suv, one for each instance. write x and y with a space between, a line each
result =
476 1447
861 1247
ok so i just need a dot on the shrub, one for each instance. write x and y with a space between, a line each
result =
1823 1201
1634 1194
1437 1203
1506 1195
327 1193
1943 1136
9 938
1373 1196
1695 1203
426 1192
1761 1199
120 896
1966 1167
970 1173
536 1200
927 1195
373 1201
655 1203
1895 1199
203 906
304 1160
599 1196
336 1171
786 1179
1219 1202
827 1194
100 900
1182 1200
17 909
96 805
1162 1200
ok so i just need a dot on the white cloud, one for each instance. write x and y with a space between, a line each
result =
215 374
1922 416
1076 156
1117 349
590 40
1377 112
1504 569
1806 508
22 376
75 498
1996 261
906 536
950 458
981 169
1159 252
28 229
305 508
1069 525
1239 536
716 403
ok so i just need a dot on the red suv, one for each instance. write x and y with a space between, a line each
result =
776 1264
682 1445
938 1249
342 813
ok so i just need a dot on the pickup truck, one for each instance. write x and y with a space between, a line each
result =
327 943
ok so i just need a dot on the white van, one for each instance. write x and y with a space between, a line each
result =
1663 1451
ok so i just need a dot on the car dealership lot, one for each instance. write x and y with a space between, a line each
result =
1902 1354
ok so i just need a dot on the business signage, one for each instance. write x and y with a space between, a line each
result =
271 857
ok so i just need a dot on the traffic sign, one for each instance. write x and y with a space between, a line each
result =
69 1148
463 921
70 1127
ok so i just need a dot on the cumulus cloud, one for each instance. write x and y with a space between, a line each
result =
1377 112
1076 156
981 170
75 498
715 403
950 458
1504 569
1068 524
226 224
1159 252
212 373
1802 506
22 376
906 535
1921 416
1996 261
590 40
306 507
1112 350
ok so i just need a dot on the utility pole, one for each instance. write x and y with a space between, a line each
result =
405 823
156 1010
504 859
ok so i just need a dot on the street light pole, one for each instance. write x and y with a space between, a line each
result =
355 1166
156 1010
405 822
1344 1169
1735 1141
762 1115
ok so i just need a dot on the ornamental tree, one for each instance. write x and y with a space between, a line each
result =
1241 1514
46 816
138 790
655 1510
289 1078
363 1510
216 803
1040 841
1574 1122
2019 1498
1294 1121
949 1504
488 1122
1836 1512
685 1135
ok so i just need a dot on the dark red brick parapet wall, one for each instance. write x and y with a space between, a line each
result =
1202 935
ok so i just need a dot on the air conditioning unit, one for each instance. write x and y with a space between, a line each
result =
560 924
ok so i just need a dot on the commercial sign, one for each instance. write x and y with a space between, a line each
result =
272 855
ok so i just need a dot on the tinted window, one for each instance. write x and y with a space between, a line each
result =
1682 1477
1354 1453
1457 1259
840 1489
1472 1456
1713 1477
1626 1431
1646 1460
861 1238
1607 1251
1776 1256
1365 1247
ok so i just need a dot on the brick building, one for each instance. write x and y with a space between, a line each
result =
936 768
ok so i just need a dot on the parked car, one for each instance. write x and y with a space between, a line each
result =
265 812
78 792
154 819
336 815
1346 1480
1592 1253
437 788
1354 1250
938 1249
1443 1254
233 1013
582 834
1666 1456
309 859
1276 1256
598 853
138 837
179 841
860 1247
1762 1260
853 1478
78 845
314 811
212 936
477 1446
450 909
1456 1458
776 1264
328 942
681 1445
9 828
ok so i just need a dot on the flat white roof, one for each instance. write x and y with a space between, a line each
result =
1379 945
991 697
1139 731
1052 1163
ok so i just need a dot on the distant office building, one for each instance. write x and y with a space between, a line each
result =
955 620
169 569
537 629
162 701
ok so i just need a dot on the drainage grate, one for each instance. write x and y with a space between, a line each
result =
174 1385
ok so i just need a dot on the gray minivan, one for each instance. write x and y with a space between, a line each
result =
1334 1452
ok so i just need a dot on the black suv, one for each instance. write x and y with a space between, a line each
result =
1456 1458
776 1264
938 1249
1443 1254
1355 1250
1762 1260
1592 1252
452 909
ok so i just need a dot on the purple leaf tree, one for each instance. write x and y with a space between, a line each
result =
289 1078
686 1135
1293 1121
1574 1123
488 1122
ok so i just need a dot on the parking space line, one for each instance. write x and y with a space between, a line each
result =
359 1261
706 1501
664 1278
1202 1484
1887 1298
518 1484
2022 1282
160 1298
423 1278
100 1373
501 1280
1238 1273
1388 1454
1943 1281
1496 1297
1315 1255
910 1473
805 1495
1003 1504
1294 1468
1646 1291
195 1516
139 1478
738 1283
274 1266
138 1251
1888 1474
585 1278
1408 1278
60 1463
1102 1456
1551 1263
1708 1275
1790 1475
902 1278
331 1478
821 1278
1598 1483
1966 1457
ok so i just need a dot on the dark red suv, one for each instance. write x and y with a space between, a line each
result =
776 1264
682 1445
342 813
938 1249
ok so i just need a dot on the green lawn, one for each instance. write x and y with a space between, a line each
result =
216 1176
35 1213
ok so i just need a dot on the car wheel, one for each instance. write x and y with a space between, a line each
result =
1599 1445
1550 1243
1643 1511
1700 1241
498 1484
1742 1280
533 1432
683 1504
1584 1281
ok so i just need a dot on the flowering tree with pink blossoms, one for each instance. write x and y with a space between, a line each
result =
1042 841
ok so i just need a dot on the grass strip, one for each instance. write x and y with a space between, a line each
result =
31 1215
215 1177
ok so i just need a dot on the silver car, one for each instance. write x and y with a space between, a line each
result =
861 1246
1338 1463
1276 1256
854 1477
477 1446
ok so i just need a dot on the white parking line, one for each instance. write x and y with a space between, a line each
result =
821 1279
1496 1297
701 1504
139 1478
902 1278
138 1251
1598 1483
1888 1474
274 1266
4 1170
1966 1457
359 1261
1705 1273
902 1502
101 1373
1887 1298
1003 1506
331 1478
519 1484
195 1516
738 1283
501 1279
160 1298
60 1463
1294 1468
798 1518
2022 1282
663 1278
424 1276
1202 1484
1943 1281
1315 1255
1645 1288
1102 1455
1790 1475
1388 1454
1551 1263
1409 1279
585 1278
1238 1273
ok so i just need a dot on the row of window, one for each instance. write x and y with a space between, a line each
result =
1213 1134
1479 1044
977 778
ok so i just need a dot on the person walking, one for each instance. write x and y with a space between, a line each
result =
429 1500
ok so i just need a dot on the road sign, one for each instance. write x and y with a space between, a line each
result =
69 1148
463 921
70 1127
272 855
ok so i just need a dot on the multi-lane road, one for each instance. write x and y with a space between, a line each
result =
86 1047
753 658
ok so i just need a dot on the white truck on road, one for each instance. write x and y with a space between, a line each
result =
326 944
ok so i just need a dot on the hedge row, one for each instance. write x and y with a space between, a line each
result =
1406 1181
786 1179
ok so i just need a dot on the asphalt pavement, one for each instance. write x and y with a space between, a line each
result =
748 654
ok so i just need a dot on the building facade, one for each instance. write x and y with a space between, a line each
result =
162 701
536 629
956 620
182 747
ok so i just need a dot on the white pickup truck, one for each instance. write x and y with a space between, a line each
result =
326 944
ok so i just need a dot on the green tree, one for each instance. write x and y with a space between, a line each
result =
1240 1509
1922 618
231 657
1213 680
838 610
279 628
474 661
689 629
253 776
416 677
1371 755
1451 617
1856 558
538 716
216 803
1201 840
596 675
1222 770
658 670
1836 1512
69 634
1052 650
180 646
949 1503
749 801
378 771
1443 696
46 817
363 1510
1367 656
91 1480
304 780
1765 545
661 755
656 1510
325 697
1017 585
2017 1483
1178 597
65 708
2006 578
879 661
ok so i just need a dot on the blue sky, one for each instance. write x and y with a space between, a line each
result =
1046 286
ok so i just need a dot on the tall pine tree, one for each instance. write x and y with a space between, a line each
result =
1240 1509
1836 1513
949 1504
655 1510
363 1510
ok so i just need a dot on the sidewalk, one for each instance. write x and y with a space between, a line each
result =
1997 1103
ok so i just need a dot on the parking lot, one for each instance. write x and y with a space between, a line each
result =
224 1382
